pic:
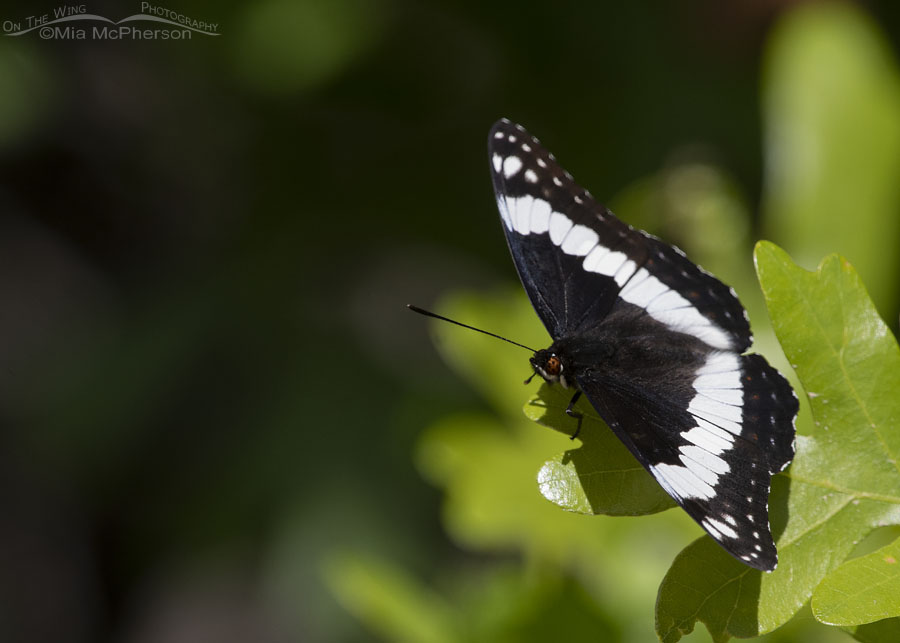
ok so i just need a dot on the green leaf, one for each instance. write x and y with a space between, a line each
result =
862 590
601 476
844 481
831 100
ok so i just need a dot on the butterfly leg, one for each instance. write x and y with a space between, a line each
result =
572 413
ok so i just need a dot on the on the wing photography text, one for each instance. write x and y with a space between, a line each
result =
75 22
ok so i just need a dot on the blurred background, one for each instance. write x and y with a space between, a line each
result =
217 420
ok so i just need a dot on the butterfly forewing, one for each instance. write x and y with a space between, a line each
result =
655 343
551 225
559 234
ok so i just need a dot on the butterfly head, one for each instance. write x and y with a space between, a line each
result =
549 365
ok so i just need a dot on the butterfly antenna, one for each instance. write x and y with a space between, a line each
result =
428 313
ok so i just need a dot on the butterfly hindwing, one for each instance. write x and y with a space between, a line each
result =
697 420
654 342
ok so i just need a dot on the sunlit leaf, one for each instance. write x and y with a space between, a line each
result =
862 590
844 481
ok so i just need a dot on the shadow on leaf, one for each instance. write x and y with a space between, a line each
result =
707 584
599 477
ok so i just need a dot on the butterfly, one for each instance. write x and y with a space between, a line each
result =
654 342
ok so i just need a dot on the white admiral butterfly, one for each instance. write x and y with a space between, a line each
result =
653 341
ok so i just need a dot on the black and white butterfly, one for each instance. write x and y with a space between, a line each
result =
653 341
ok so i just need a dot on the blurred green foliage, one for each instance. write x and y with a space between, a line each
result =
287 47
831 95
211 395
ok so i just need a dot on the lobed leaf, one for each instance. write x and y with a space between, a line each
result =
844 481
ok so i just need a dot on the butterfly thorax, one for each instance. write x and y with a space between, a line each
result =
624 350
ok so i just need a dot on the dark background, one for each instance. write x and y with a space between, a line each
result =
208 380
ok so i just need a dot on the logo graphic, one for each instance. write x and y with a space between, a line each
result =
73 22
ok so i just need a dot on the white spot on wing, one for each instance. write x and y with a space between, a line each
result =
710 437
521 214
681 482
704 474
721 362
720 529
732 396
623 274
608 264
645 291
718 381
639 277
498 162
560 225
669 302
704 458
530 176
579 241
594 258
713 411
540 216
511 165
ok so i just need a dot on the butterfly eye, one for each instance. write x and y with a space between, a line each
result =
553 366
